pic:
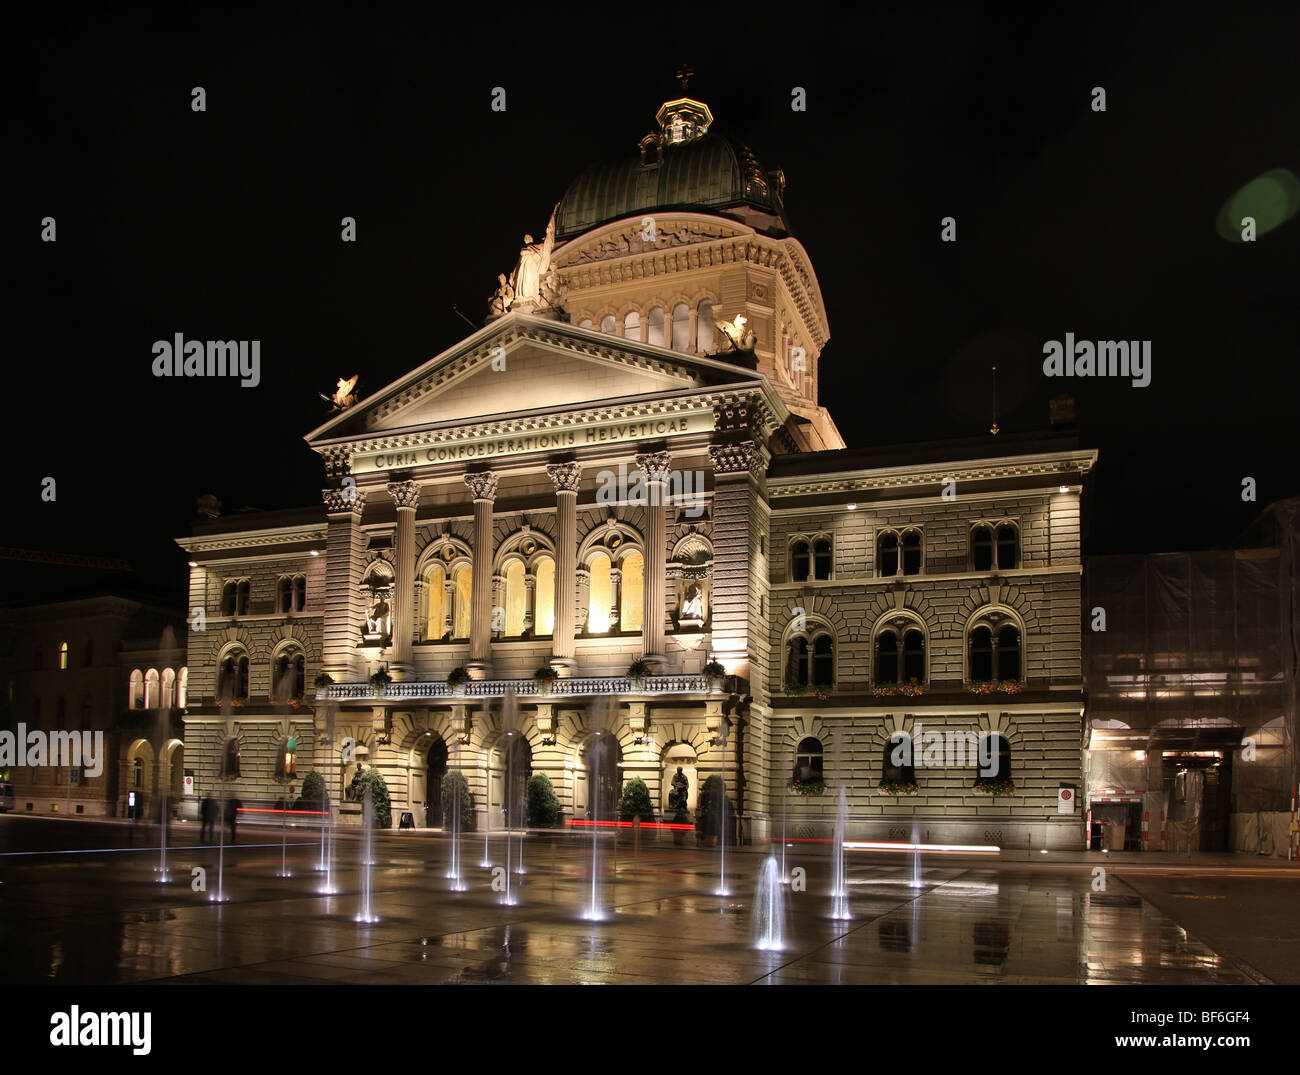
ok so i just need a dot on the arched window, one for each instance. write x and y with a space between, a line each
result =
241 598
898 766
632 593
137 773
463 598
998 752
290 675
151 689
1008 652
981 548
887 554
981 654
887 657
585 323
800 561
914 656
810 661
289 759
435 591
228 598
168 688
182 686
704 328
1008 547
63 655
681 327
995 547
283 593
516 598
911 552
229 759
607 324
632 327
808 760
600 594
299 592
135 695
656 327
822 558
544 597
232 676
996 650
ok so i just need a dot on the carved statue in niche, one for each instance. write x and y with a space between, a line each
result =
677 797
379 620
693 603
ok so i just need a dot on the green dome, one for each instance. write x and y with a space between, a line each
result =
710 174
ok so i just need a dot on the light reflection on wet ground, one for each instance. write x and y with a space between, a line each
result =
101 917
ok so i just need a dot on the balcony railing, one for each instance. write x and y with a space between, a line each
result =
523 688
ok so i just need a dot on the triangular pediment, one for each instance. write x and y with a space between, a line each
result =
523 364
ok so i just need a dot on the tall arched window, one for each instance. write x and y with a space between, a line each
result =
63 655
887 554
981 654
151 689
607 324
299 592
656 326
809 760
704 328
435 592
995 547
822 558
632 327
900 654
135 695
997 749
463 597
981 548
544 596
995 650
800 561
914 656
241 597
681 327
232 676
182 686
283 593
228 598
1008 652
290 675
810 659
632 593
168 688
516 598
911 552
1008 547
601 594
887 657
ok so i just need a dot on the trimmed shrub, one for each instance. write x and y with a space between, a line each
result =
373 779
635 801
713 807
313 795
542 804
455 789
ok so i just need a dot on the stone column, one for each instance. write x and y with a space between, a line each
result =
654 466
733 600
344 564
566 477
406 495
530 603
615 580
483 486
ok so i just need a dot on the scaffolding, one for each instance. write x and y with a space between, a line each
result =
1191 676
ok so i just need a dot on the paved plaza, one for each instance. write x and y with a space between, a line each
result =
86 907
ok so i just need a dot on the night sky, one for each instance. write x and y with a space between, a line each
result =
225 225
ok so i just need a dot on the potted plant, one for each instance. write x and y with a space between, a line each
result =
897 787
999 786
681 819
639 671
996 686
910 689
798 690
715 673
457 678
455 789
323 680
544 677
807 785
635 801
379 680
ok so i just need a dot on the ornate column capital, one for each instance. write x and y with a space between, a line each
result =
655 465
405 494
741 458
565 476
339 501
483 484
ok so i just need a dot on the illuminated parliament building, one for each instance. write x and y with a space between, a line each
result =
534 551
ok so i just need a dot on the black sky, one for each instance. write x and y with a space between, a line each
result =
225 225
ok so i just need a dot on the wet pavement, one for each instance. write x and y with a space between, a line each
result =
88 908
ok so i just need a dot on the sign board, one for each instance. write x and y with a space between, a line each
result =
1065 800
188 784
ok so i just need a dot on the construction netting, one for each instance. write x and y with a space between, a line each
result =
1197 656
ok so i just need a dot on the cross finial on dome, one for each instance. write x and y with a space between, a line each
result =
684 73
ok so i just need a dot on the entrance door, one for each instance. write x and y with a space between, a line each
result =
602 767
518 761
435 769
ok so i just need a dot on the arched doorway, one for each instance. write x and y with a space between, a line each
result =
435 768
173 765
599 777
517 762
